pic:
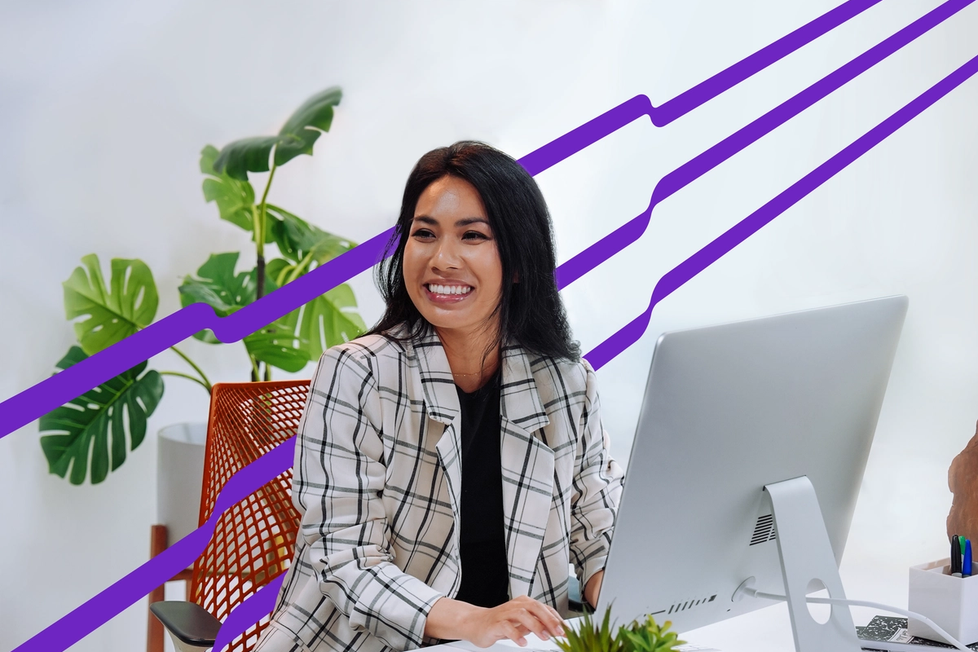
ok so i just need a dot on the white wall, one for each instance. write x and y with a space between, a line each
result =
105 105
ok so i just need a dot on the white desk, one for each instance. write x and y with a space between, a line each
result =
534 644
768 629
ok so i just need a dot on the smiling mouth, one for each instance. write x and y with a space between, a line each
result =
451 290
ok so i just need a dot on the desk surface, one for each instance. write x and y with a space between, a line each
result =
534 644
768 629
764 630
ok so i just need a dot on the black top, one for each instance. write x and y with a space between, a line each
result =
485 572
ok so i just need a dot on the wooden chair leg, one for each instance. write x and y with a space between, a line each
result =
158 542
154 633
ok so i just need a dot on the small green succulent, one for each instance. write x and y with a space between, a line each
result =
639 636
648 636
591 637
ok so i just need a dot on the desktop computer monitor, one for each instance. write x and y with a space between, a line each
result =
733 415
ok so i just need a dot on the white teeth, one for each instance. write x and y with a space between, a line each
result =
449 289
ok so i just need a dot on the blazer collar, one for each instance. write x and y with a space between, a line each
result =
437 381
520 402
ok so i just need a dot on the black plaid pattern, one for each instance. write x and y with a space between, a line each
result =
377 476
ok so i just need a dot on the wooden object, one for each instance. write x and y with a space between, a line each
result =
962 479
158 542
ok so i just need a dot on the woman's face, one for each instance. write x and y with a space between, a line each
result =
452 269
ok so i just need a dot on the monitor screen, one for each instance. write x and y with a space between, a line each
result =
727 410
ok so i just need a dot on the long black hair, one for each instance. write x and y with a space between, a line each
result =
531 313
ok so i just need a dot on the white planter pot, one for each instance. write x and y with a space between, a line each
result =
179 475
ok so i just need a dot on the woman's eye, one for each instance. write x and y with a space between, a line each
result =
423 234
470 235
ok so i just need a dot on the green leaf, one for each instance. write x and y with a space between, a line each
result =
113 313
647 636
218 286
296 137
240 157
591 637
93 428
297 239
276 346
235 199
326 321
304 126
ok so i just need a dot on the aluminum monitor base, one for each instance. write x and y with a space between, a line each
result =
806 555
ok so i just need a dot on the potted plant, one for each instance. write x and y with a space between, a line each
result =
638 636
91 435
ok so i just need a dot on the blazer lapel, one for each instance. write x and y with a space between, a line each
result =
442 406
527 469
527 461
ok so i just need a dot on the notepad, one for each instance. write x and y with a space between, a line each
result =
890 633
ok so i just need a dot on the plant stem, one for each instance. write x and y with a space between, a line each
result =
283 277
260 278
262 211
299 269
260 236
206 383
187 376
255 375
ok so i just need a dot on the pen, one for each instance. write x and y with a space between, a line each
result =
966 571
955 556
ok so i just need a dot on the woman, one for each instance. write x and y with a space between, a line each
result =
451 463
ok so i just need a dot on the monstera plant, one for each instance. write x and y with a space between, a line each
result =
92 434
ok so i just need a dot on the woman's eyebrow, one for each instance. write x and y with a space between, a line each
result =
465 221
472 220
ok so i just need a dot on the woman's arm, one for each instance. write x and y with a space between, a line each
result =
597 491
340 477
593 588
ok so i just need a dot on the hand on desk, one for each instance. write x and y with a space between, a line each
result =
513 620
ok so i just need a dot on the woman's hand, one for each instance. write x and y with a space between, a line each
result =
513 620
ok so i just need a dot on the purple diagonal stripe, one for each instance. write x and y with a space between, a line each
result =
689 268
26 406
91 615
682 176
249 612
35 401
589 133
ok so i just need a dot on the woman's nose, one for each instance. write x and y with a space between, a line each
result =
447 255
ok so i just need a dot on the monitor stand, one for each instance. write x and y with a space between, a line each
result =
806 555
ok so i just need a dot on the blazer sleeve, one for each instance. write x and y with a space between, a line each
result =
339 482
596 489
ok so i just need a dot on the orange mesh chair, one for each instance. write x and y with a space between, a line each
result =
254 540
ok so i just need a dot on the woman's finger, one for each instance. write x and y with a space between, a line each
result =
513 633
534 620
549 617
557 620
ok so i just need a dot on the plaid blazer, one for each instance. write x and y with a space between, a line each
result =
377 481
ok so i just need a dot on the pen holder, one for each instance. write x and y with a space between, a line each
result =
951 602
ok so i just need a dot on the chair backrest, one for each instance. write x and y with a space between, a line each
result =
253 541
